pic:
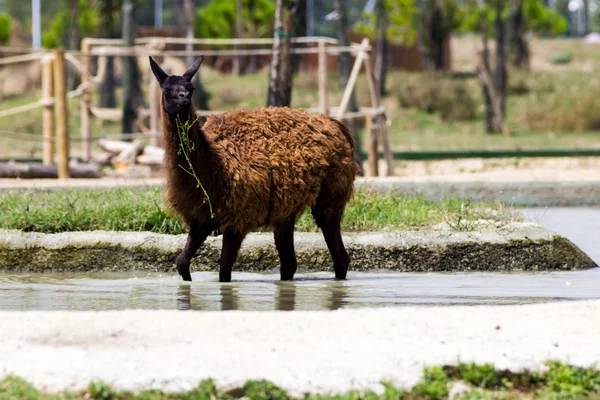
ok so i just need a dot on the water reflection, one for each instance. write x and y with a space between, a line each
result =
337 296
184 297
331 295
264 292
229 298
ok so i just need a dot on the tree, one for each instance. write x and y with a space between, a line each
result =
5 28
345 66
485 66
392 21
436 20
523 16
133 97
108 10
280 83
381 46
186 16
500 73
218 19
74 18
518 49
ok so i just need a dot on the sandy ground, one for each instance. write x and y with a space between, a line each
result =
302 351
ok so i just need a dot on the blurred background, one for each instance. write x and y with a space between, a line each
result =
467 86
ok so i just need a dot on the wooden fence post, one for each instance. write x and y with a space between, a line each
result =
362 54
62 113
86 127
154 111
48 112
323 90
373 156
380 123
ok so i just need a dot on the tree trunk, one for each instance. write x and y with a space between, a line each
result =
518 49
500 74
73 40
238 61
344 68
133 97
380 66
485 55
434 33
273 96
108 98
280 85
586 20
185 14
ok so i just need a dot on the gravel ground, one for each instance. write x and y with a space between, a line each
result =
302 351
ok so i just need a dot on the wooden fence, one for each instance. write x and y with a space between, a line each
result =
55 132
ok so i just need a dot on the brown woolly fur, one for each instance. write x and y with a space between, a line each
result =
259 168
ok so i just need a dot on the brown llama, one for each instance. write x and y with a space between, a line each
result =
256 168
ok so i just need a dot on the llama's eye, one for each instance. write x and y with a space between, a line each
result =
165 91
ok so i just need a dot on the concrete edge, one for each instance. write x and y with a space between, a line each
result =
516 246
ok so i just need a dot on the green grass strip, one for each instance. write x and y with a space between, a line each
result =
560 381
131 209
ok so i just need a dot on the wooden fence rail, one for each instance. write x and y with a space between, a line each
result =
54 100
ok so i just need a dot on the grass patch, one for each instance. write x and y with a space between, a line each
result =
561 381
124 209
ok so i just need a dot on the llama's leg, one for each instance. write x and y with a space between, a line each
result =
232 241
329 221
197 235
284 241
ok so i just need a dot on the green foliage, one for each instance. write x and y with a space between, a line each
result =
100 391
434 385
401 14
483 376
264 390
5 28
538 18
87 24
450 98
562 381
17 388
217 19
563 57
569 381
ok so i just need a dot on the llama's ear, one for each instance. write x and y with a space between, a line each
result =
160 75
189 74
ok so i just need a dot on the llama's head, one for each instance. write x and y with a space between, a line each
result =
177 90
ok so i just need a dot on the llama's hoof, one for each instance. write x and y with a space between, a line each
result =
184 270
340 276
186 277
287 277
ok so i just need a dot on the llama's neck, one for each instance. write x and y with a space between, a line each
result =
204 162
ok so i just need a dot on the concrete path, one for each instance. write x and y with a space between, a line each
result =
328 351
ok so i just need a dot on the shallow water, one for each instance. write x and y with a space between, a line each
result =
309 292
110 291
580 225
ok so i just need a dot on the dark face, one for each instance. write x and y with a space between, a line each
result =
177 95
177 90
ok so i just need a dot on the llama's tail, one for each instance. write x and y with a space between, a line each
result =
346 132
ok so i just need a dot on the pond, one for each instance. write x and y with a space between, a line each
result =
316 291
